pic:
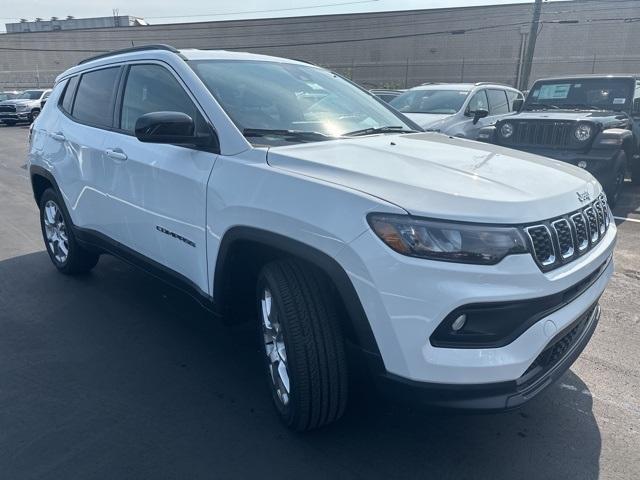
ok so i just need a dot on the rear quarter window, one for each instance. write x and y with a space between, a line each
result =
66 102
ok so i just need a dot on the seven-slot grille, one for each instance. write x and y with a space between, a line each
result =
559 241
540 134
8 108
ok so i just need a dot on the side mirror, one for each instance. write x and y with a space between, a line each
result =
517 104
169 127
478 114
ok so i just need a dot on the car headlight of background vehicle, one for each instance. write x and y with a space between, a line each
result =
447 241
22 108
583 132
506 130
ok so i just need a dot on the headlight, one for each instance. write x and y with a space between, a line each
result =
22 108
583 132
506 130
447 241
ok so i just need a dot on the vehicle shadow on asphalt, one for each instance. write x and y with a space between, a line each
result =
117 375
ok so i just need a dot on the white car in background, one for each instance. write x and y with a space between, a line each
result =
458 109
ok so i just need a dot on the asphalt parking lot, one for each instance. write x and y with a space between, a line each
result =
116 375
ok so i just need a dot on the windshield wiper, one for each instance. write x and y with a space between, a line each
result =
541 106
371 131
296 134
583 106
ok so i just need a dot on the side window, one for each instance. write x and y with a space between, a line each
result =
478 102
66 102
498 104
513 96
46 95
95 97
152 88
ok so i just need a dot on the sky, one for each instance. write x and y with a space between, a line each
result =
170 11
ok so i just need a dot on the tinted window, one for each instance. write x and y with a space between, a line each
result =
30 95
95 97
152 88
46 95
67 97
430 101
497 102
478 102
513 96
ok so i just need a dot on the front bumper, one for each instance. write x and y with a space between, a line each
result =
600 162
15 117
548 367
405 299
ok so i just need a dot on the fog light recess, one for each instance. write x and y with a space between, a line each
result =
459 322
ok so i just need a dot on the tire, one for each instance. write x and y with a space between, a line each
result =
58 237
299 304
615 184
33 115
635 171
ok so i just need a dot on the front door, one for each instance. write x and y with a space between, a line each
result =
159 190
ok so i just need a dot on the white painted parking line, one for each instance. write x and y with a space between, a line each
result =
625 219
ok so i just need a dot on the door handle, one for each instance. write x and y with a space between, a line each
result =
58 136
116 154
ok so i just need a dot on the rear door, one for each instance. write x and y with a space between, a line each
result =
87 105
159 190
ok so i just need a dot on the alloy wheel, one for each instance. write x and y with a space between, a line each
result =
56 231
274 347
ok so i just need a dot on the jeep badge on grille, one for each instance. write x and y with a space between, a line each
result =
583 196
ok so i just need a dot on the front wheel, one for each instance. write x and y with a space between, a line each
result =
63 249
613 189
302 344
33 115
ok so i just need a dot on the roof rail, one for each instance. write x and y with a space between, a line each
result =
141 48
477 84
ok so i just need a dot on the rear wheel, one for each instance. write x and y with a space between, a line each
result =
65 252
302 344
635 171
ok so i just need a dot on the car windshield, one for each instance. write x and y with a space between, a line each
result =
430 101
292 102
30 95
5 96
581 94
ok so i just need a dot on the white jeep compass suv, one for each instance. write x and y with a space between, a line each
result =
466 274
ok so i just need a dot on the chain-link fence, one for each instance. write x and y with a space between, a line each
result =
406 74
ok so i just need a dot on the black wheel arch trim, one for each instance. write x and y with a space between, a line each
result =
358 328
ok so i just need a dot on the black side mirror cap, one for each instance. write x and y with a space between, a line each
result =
517 104
478 114
170 127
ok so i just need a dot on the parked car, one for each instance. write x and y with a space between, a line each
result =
458 109
44 99
592 121
8 95
25 107
386 94
463 274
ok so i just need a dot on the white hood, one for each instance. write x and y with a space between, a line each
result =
426 120
432 175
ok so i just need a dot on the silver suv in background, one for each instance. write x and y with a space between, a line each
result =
458 109
25 107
